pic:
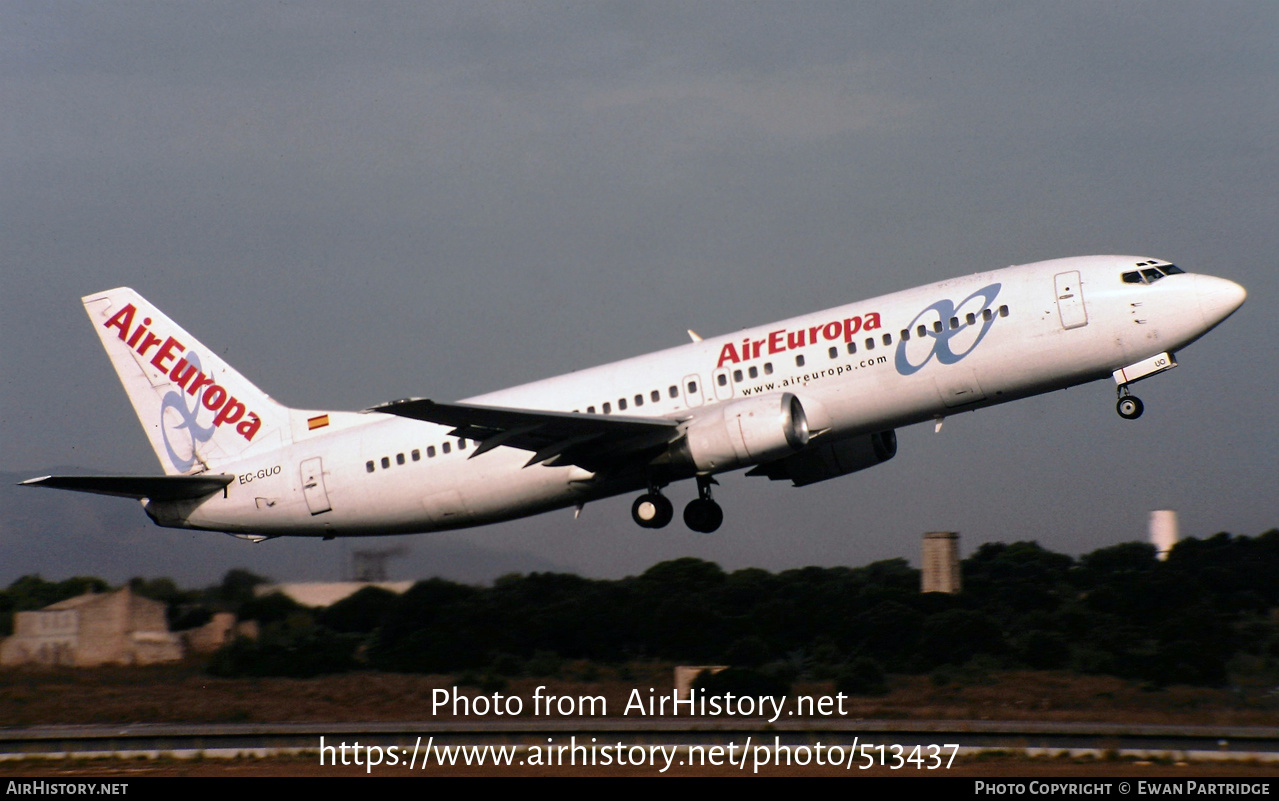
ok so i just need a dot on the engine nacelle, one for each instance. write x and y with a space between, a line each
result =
832 459
745 432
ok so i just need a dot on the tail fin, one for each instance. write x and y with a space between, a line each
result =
197 411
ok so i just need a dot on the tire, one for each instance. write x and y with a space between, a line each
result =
703 515
1130 407
652 510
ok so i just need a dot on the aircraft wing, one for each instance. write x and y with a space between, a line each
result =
594 442
156 488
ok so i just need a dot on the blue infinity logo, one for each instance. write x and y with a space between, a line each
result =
941 345
198 433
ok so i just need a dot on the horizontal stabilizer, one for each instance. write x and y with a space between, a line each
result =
156 488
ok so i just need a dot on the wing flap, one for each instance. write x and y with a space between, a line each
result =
156 488
591 441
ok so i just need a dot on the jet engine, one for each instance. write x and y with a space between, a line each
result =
832 459
745 432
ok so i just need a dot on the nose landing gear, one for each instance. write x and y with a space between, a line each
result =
1129 407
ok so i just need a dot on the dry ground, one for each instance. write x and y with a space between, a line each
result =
184 694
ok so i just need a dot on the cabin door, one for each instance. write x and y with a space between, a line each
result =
1070 300
317 498
693 390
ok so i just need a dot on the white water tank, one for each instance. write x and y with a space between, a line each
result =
1163 532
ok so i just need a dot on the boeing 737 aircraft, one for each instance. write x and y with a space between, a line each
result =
802 400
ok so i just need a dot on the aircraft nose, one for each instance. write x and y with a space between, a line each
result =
1218 298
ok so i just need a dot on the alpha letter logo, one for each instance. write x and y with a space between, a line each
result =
174 403
951 330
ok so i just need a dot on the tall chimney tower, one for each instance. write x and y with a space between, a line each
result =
941 562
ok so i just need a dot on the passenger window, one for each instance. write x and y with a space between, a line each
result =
1003 311
369 465
971 318
430 451
416 454
921 331
386 462
905 335
954 324
656 396
722 379
799 360
621 404
870 343
399 458
768 368
888 339
852 348
754 372
608 409
445 447
834 352
737 376
692 387
987 315
639 400
674 390
461 444
590 410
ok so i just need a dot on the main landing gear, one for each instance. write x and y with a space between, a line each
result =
1129 407
654 510
702 514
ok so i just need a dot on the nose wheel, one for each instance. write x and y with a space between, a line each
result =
652 510
1129 407
703 514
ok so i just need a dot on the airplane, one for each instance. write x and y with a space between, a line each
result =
804 400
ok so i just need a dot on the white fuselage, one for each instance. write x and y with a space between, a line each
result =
865 367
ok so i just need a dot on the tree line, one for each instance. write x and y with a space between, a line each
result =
1207 616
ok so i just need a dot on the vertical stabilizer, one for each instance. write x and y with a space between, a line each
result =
197 411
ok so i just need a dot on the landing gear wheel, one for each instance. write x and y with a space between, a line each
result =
652 510
1130 407
703 515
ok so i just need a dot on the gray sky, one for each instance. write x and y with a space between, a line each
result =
355 202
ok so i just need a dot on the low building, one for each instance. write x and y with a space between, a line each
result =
116 628
321 594
221 629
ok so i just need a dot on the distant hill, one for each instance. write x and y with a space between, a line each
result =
62 534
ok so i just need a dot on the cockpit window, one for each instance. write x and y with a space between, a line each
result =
1149 275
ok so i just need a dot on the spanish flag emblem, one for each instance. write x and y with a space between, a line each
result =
313 423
